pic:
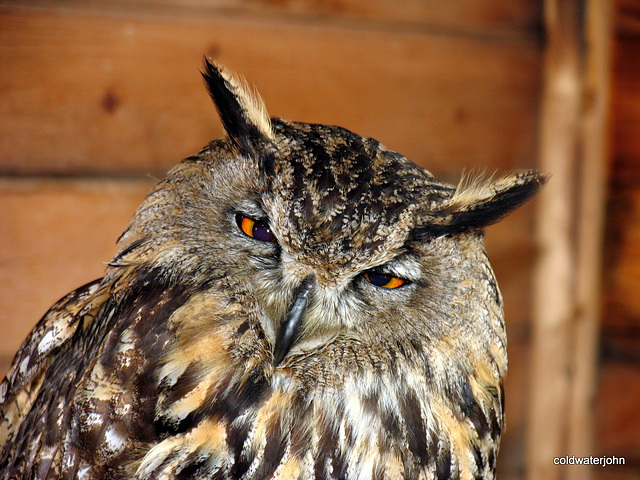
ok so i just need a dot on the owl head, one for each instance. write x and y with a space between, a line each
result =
327 234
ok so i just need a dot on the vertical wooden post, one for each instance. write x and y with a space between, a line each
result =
553 306
573 137
594 153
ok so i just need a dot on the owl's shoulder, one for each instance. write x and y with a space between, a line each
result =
51 333
24 387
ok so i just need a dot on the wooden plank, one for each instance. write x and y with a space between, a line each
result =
57 235
618 421
594 173
622 253
626 110
481 17
627 18
96 93
488 17
553 281
623 226
622 302
618 418
574 149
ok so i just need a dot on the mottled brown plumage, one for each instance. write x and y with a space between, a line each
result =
293 302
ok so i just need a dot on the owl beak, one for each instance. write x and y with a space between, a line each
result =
289 329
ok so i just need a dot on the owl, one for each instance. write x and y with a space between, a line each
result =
293 302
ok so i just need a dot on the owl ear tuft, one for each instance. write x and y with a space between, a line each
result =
241 109
479 202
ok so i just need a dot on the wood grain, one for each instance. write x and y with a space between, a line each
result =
489 18
100 93
618 420
573 149
622 252
553 302
622 259
590 231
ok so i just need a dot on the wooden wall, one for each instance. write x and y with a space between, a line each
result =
618 395
98 99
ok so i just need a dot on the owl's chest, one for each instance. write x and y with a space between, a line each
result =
273 428
225 409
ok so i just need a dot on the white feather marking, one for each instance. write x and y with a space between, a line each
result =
114 442
127 341
94 419
82 473
47 341
24 365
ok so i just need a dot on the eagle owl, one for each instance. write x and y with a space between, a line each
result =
293 302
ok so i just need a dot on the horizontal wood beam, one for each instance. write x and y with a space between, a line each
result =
102 94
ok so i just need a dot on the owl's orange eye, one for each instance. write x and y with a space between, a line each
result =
255 229
384 280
